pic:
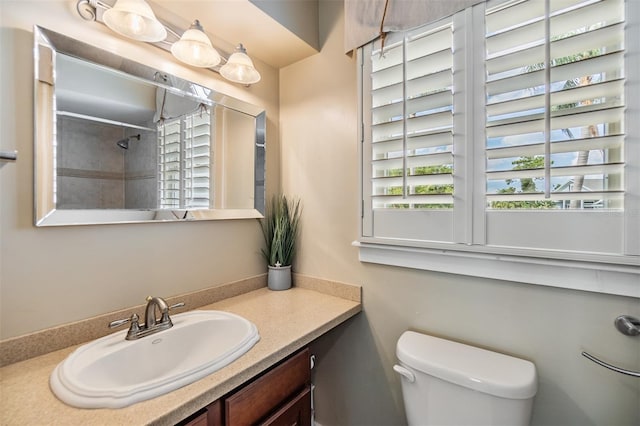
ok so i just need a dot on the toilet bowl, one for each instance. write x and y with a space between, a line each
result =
449 383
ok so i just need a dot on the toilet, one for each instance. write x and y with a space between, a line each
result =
449 383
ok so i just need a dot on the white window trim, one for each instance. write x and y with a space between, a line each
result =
587 275
607 274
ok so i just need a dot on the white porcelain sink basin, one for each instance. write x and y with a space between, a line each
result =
112 372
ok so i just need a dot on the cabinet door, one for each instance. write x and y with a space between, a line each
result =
211 415
258 399
198 420
296 412
214 414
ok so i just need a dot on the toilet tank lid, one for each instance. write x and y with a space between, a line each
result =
474 368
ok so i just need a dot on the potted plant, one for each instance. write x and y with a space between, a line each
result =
280 230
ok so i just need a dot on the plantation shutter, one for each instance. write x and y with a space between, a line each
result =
555 124
197 161
409 109
184 161
169 148
574 152
412 118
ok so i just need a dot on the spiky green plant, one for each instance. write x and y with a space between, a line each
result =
280 230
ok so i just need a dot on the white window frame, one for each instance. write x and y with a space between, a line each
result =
611 274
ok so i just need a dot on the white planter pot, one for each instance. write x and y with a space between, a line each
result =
279 277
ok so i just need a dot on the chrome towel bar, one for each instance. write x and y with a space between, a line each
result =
611 367
629 326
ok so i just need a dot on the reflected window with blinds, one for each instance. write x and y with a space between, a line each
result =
184 161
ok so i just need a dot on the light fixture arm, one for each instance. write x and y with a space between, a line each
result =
196 26
88 9
93 10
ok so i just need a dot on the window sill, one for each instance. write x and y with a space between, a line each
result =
575 274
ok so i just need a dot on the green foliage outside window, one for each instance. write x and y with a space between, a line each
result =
423 189
527 185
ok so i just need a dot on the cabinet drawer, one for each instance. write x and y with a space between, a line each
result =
258 399
296 412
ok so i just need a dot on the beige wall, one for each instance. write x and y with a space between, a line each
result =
50 276
355 382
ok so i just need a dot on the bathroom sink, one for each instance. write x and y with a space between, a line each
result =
112 372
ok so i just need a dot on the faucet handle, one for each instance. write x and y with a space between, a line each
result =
177 305
133 320
165 315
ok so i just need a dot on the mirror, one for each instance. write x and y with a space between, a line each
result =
117 141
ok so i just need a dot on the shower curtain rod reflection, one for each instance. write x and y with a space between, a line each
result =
104 120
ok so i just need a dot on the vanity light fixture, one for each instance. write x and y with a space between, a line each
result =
239 68
194 48
134 19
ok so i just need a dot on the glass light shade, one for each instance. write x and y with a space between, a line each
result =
194 48
134 19
239 68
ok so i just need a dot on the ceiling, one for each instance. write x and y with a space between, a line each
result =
229 22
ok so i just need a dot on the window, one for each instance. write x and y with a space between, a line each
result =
413 171
184 163
506 131
411 136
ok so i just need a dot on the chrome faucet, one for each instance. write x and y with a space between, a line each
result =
151 325
150 312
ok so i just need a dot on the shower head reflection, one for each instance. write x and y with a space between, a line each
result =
124 143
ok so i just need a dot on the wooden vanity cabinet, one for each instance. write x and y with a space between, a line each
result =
281 396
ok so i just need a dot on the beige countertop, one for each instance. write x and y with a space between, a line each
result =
286 320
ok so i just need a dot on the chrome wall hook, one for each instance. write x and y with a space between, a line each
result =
628 325
8 155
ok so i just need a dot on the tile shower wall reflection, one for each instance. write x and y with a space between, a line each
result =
93 172
140 164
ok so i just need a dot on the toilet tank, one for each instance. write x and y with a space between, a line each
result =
449 383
